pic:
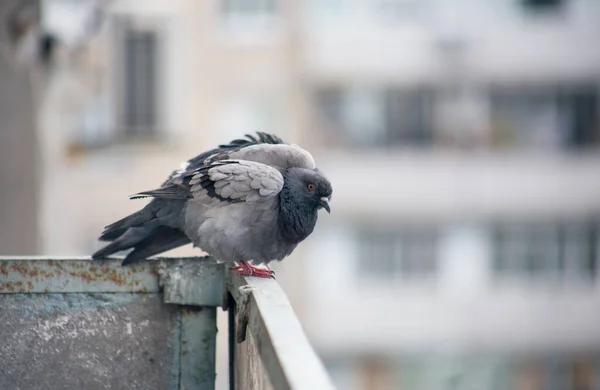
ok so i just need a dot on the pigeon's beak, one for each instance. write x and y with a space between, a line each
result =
325 204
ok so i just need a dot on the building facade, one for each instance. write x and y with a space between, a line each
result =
462 139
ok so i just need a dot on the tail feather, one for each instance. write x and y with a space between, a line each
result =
158 220
155 213
112 235
125 241
145 242
162 240
139 218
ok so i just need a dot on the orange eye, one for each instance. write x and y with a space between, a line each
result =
311 187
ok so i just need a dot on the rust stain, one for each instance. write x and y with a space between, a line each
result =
104 273
32 273
17 286
7 286
46 274
154 271
23 269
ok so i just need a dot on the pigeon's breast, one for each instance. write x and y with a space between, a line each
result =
240 231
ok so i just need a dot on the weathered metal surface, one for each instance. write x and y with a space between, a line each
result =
88 341
229 305
97 325
71 275
251 372
197 281
198 348
189 281
286 356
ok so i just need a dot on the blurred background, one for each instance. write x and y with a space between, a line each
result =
462 138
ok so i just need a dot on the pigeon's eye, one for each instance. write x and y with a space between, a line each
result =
311 187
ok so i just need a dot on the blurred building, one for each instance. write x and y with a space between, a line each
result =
462 139
19 188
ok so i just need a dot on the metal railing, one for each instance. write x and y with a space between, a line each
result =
75 323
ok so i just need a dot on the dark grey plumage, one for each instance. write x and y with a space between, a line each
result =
251 200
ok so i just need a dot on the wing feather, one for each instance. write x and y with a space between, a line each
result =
244 170
235 180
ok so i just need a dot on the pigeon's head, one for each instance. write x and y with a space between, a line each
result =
309 188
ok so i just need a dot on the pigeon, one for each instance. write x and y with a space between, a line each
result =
251 202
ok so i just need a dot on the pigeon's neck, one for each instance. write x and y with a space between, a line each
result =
296 220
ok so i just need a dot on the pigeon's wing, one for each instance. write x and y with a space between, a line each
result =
263 148
176 189
223 152
279 156
227 180
236 181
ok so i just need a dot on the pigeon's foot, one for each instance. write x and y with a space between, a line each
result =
246 269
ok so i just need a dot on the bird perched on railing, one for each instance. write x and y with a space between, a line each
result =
251 201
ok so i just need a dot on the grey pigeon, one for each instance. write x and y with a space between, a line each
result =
252 200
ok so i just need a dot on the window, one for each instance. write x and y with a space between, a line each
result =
538 5
363 116
498 372
122 99
546 251
408 115
378 117
583 108
523 119
451 372
579 250
545 118
140 81
570 373
405 253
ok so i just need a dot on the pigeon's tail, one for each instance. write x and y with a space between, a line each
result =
148 232
145 242
127 240
163 239
112 235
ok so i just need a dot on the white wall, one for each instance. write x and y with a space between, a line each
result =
443 186
462 308
350 40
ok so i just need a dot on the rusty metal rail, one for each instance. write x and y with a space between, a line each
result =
77 323
73 275
270 349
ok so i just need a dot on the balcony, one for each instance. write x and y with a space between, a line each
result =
76 324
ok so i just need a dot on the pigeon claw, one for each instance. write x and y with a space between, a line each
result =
246 269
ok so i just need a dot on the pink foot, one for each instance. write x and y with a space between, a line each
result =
246 269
